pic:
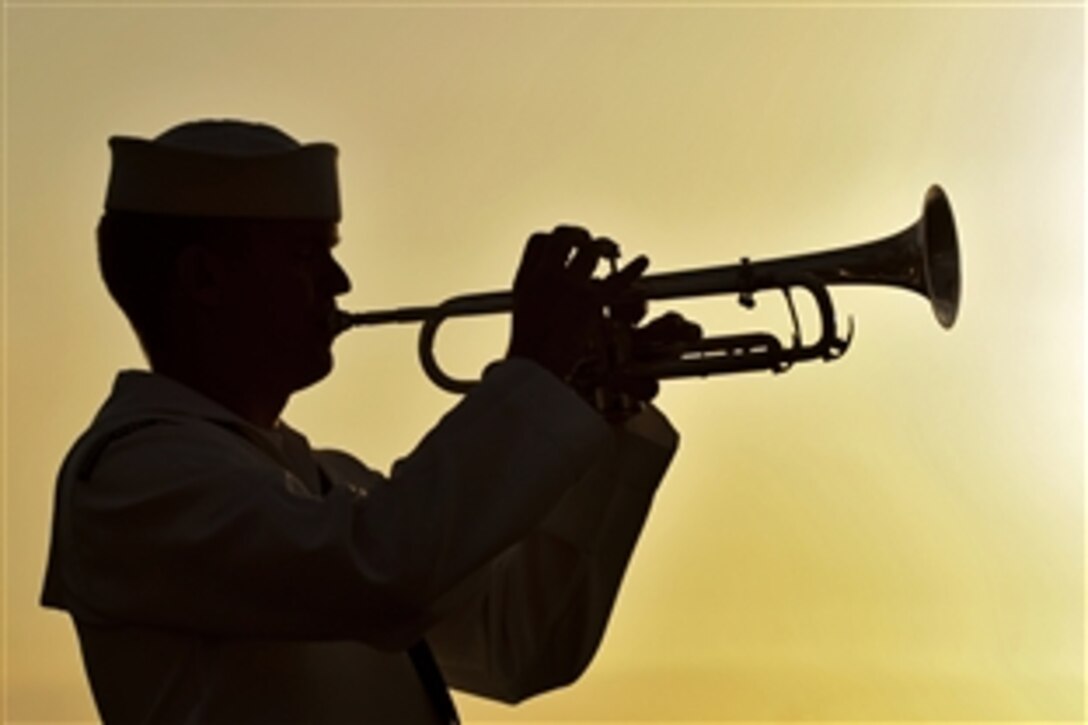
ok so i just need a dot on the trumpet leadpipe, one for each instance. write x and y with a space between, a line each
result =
483 303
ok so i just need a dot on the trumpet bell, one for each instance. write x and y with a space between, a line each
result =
940 257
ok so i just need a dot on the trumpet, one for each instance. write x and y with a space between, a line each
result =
923 257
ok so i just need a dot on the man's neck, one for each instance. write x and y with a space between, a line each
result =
244 394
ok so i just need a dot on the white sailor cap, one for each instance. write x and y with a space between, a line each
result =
224 168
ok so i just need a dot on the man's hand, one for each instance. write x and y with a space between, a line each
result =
660 338
558 306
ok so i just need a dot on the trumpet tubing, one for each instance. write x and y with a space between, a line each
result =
923 258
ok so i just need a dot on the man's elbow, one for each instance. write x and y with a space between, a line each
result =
515 686
520 690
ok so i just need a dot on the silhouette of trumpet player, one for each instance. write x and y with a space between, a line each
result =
218 569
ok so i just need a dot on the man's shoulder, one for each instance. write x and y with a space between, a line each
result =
151 420
155 446
100 436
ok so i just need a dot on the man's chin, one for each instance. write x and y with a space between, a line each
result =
314 371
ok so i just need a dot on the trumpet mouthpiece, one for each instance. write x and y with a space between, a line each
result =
339 321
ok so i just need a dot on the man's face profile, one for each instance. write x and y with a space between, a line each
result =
279 296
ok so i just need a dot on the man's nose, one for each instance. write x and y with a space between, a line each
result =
337 279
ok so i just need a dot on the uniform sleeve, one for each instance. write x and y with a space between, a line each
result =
539 619
181 529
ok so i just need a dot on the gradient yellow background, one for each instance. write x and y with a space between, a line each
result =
897 535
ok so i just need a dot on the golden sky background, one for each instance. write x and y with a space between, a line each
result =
894 536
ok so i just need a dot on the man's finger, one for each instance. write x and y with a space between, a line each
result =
629 307
548 251
535 254
568 238
621 281
665 331
585 260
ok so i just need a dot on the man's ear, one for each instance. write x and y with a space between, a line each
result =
202 275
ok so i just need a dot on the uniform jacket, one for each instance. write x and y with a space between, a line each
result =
218 572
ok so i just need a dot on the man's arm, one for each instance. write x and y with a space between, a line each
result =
537 621
184 526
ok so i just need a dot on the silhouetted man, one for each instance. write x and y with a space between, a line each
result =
218 569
